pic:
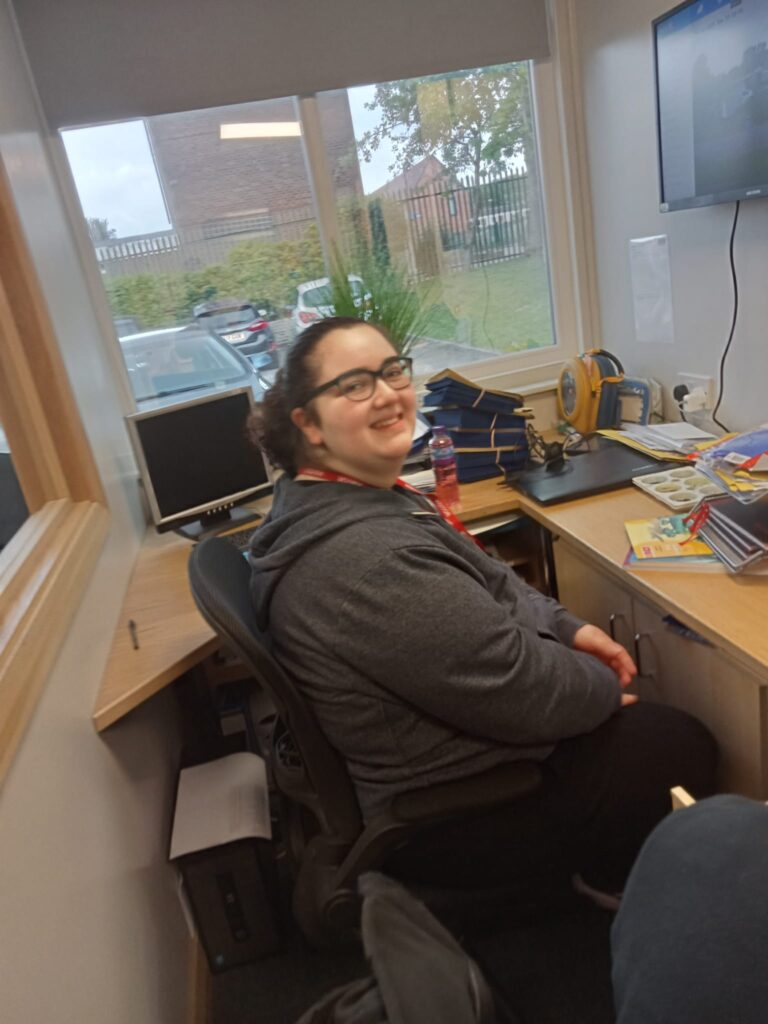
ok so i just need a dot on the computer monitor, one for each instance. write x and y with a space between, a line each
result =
197 462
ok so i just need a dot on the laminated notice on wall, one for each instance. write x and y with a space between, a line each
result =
651 289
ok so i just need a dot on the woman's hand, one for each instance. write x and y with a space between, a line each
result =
592 640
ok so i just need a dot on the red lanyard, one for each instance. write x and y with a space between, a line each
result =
442 509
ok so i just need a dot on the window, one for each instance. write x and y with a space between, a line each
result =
46 562
451 194
222 237
457 179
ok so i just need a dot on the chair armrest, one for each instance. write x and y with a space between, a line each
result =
412 810
502 784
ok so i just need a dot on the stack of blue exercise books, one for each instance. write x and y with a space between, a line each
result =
487 427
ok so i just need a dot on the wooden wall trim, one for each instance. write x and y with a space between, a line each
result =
51 453
43 570
46 565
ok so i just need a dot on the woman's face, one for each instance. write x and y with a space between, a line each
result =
367 439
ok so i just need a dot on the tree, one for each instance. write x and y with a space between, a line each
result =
99 229
473 121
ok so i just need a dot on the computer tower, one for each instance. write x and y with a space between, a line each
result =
232 891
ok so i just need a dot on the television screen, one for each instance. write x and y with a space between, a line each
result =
196 458
712 102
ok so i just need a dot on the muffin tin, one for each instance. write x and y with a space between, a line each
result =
680 489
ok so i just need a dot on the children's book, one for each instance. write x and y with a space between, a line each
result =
692 563
664 537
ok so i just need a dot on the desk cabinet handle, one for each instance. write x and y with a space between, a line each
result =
638 637
612 625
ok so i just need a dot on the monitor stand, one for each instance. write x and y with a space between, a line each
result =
223 521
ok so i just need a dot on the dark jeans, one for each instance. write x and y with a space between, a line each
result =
603 792
689 943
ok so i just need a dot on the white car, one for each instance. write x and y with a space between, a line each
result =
313 301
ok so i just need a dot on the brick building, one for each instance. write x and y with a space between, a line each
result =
220 192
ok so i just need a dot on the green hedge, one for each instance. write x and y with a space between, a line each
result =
267 271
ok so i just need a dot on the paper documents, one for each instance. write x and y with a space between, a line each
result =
219 802
653 450
651 289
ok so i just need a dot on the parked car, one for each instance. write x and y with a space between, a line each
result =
243 325
313 300
165 366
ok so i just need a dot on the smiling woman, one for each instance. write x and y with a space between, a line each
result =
45 564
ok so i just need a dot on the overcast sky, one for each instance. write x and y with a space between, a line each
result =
116 179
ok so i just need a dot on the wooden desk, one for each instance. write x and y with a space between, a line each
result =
731 612
171 634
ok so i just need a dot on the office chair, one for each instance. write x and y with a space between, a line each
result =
328 840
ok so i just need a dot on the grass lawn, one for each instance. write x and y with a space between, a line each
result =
501 307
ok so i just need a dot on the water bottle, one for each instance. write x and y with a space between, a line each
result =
444 464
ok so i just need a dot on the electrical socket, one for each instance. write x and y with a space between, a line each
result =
698 380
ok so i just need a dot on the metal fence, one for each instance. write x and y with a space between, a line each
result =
450 224
453 224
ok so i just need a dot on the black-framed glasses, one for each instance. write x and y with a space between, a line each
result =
357 385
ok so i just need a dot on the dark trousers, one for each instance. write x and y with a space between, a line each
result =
603 792
689 942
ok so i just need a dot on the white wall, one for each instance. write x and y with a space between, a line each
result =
617 69
90 928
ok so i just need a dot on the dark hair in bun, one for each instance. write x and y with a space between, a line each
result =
270 425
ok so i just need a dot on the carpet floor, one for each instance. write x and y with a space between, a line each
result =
548 964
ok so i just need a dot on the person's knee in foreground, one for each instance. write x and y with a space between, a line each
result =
689 942
424 659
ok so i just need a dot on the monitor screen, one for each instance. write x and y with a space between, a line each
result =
712 102
196 458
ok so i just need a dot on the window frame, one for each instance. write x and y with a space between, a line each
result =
567 224
46 565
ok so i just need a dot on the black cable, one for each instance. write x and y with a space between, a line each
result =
733 323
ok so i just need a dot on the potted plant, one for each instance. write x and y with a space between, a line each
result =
385 297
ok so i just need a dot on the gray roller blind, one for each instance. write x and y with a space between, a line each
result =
107 60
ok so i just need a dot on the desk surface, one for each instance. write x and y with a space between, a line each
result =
172 637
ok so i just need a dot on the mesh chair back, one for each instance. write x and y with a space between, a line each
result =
220 580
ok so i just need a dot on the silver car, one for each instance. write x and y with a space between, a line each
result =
166 366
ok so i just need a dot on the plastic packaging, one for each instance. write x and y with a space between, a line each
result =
443 460
681 489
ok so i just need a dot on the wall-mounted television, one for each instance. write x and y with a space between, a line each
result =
711 59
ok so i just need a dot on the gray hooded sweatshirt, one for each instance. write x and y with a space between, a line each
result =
423 658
